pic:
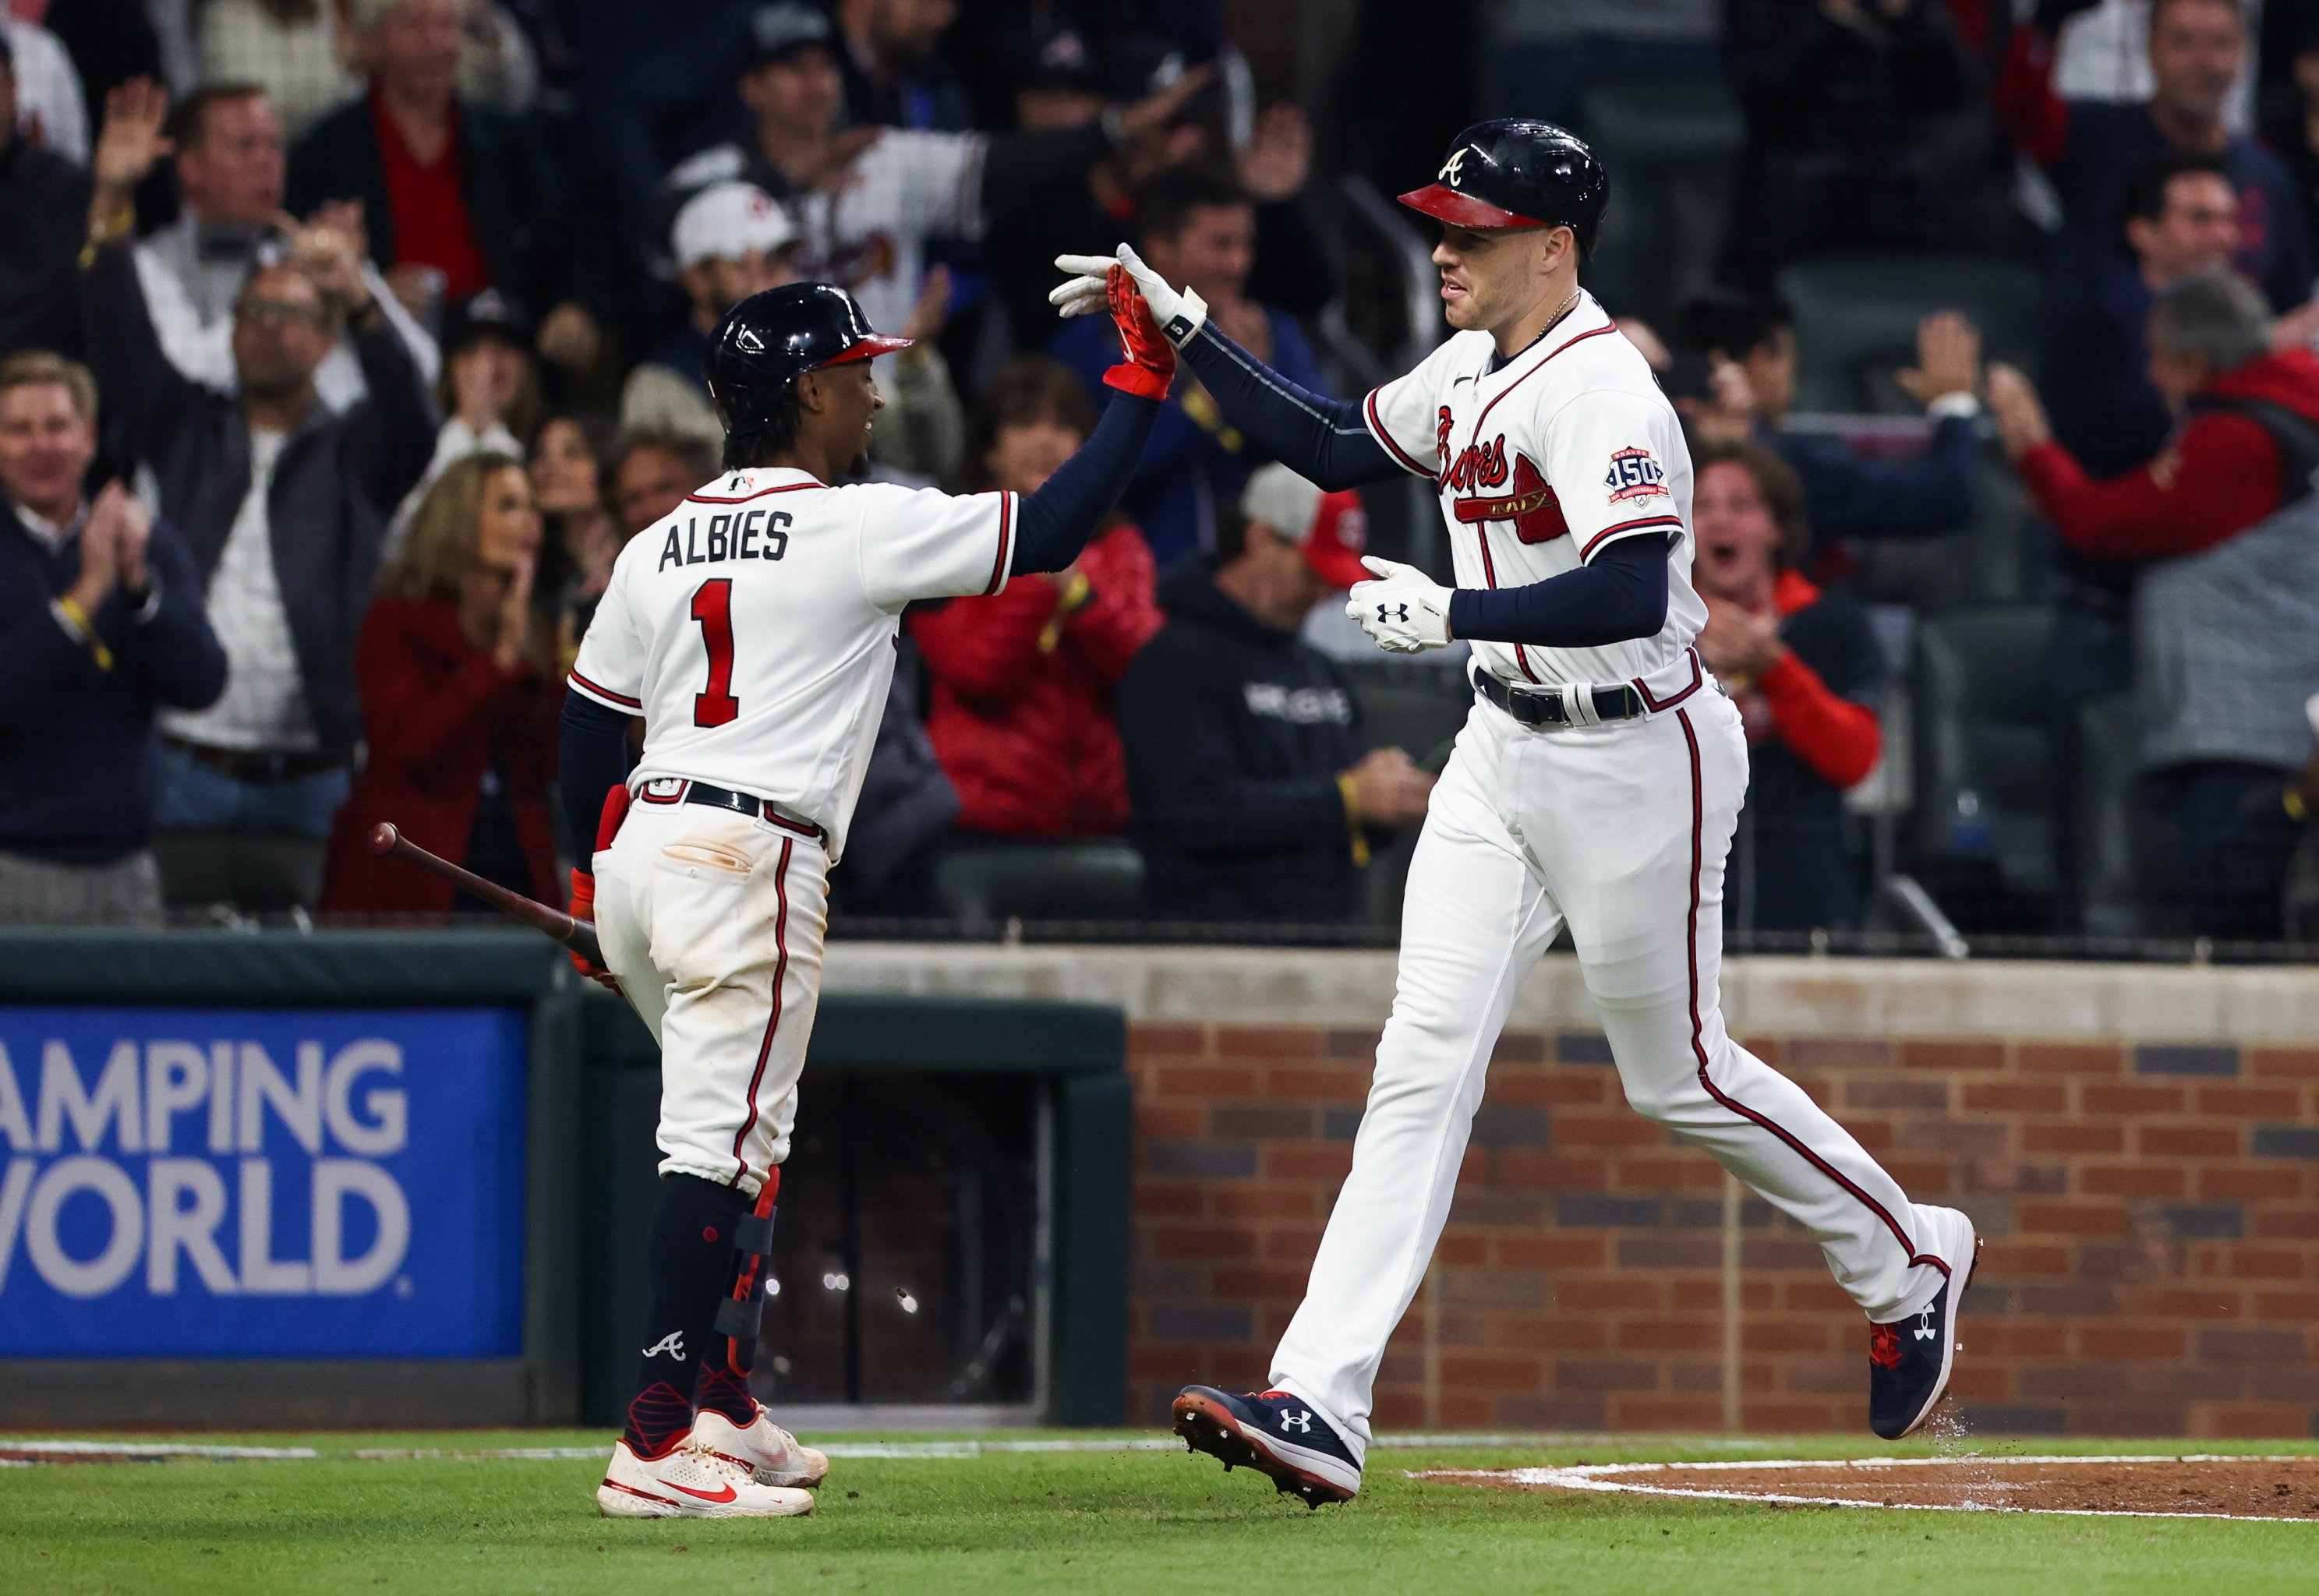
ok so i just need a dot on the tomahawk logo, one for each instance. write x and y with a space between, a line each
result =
1300 1422
671 1343
1451 169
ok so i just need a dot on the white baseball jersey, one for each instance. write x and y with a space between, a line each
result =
1544 463
867 234
755 628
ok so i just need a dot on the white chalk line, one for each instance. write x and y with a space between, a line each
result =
1601 1477
23 1454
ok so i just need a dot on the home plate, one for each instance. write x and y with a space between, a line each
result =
2190 1486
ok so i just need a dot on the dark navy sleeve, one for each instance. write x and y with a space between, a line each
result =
1849 495
1321 439
595 759
1064 513
1621 594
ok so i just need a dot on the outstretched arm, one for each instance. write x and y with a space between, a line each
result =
1321 439
1620 594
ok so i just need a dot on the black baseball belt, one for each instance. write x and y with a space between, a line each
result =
724 797
1559 706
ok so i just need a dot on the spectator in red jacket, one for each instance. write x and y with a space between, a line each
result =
460 700
2225 623
1806 670
1021 709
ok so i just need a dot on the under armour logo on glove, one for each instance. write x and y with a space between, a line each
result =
671 1343
1301 1422
1403 610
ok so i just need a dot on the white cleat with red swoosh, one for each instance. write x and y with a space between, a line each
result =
773 1454
686 1483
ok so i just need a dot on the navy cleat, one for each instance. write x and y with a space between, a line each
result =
1277 1434
1909 1361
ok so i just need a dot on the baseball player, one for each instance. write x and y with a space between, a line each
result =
754 629
1595 786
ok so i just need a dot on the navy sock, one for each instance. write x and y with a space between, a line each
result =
691 1264
724 1386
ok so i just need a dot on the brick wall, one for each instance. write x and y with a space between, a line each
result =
2151 1214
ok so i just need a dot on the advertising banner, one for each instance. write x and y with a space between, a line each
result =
243 1182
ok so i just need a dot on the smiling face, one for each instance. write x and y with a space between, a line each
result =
45 446
1740 538
840 404
565 479
2198 232
507 522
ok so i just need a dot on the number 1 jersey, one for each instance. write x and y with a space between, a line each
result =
755 628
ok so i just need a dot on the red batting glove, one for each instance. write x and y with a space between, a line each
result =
583 907
1150 366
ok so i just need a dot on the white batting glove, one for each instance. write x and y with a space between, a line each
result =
1178 315
1403 610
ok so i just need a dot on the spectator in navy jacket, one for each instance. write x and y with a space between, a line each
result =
2179 220
100 623
1251 793
1199 230
2091 148
1806 671
1750 344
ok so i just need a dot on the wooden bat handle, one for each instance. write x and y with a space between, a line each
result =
579 935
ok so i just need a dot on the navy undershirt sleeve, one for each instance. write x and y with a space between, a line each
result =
1059 517
1621 595
1321 439
594 760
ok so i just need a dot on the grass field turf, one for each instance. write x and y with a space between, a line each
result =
1026 1524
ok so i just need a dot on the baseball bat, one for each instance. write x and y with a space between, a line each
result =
579 935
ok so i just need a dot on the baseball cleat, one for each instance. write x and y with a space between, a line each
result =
1274 1432
772 1454
686 1483
1909 1361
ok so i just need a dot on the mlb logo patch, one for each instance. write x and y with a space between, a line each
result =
1634 474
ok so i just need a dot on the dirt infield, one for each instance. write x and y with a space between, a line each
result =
2192 1486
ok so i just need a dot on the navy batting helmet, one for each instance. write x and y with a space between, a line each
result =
1513 173
769 338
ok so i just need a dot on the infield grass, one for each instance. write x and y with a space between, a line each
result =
1026 1524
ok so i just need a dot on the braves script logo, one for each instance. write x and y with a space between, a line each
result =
1477 465
1531 506
1634 474
1452 171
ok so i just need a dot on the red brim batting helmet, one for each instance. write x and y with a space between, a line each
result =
770 338
1511 173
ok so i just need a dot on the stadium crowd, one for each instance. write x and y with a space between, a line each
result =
344 343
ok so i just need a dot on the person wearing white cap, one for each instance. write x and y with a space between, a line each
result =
1254 791
730 240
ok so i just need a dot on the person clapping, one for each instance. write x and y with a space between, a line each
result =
459 701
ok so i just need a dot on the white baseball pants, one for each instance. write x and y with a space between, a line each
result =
713 923
1619 831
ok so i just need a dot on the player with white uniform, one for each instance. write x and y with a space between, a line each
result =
754 631
1595 786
